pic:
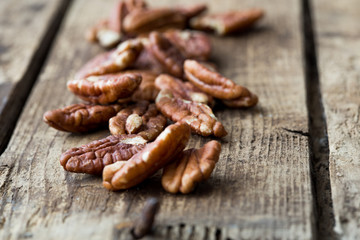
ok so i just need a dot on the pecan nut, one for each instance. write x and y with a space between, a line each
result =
114 61
155 155
215 84
93 157
198 116
247 100
192 44
192 166
80 117
147 89
106 88
147 20
192 11
229 22
141 118
184 90
166 53
103 34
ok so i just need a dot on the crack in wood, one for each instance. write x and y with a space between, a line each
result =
306 134
22 90
318 139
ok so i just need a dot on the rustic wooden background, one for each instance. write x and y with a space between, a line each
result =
289 169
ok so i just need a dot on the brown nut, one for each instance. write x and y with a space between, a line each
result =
112 62
106 88
166 53
93 157
192 44
141 118
229 22
80 117
123 175
192 166
215 84
198 116
184 90
147 61
192 11
145 21
147 89
248 100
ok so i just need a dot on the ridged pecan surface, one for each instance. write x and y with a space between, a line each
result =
123 175
228 22
198 116
192 44
147 89
166 53
141 118
184 90
191 167
93 157
147 20
112 62
105 89
81 117
216 85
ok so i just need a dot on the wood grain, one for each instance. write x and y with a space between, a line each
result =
338 32
27 30
260 187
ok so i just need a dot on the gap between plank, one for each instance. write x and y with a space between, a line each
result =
318 137
22 89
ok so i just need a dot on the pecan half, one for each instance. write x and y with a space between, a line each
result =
214 84
93 157
144 21
247 100
192 44
80 117
229 22
114 61
103 34
184 90
147 89
147 61
166 53
198 116
192 166
123 175
120 11
192 11
141 118
106 88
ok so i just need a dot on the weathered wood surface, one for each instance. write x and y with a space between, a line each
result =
338 32
24 37
260 188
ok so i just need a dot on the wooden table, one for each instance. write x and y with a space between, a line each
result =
289 168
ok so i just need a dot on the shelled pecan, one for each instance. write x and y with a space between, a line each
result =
214 84
184 90
106 88
192 11
103 34
155 155
147 20
198 116
166 53
147 61
81 117
192 44
93 157
114 61
147 89
191 167
228 22
141 118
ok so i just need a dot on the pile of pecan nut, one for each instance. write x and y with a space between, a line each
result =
157 74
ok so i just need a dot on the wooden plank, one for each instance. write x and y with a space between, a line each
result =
261 186
25 39
337 33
